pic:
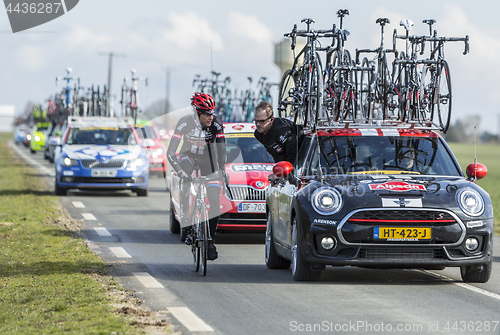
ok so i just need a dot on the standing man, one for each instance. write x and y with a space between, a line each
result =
203 147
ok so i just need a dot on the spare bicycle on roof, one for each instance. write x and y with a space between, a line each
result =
410 92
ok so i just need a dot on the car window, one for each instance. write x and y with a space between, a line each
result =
105 136
246 150
364 154
304 149
145 132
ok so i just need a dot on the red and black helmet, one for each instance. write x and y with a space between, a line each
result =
203 103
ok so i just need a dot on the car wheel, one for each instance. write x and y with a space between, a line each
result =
59 190
142 193
273 261
175 227
301 270
471 274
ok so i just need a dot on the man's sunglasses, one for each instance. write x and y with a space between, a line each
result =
261 121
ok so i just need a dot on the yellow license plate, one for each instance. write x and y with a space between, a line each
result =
401 234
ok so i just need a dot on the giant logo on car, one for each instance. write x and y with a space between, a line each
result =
398 186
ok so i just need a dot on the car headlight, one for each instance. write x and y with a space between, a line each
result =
69 162
37 138
138 162
326 201
158 152
470 201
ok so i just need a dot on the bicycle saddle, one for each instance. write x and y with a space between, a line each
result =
342 12
307 21
383 21
407 24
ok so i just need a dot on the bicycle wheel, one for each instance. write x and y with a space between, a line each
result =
443 95
286 99
427 92
203 239
394 93
336 80
195 246
364 89
315 95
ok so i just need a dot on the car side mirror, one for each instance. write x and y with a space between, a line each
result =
476 171
282 169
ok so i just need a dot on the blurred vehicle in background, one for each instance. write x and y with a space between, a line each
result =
151 141
20 133
38 134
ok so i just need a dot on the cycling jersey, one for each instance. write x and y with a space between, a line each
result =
281 140
198 144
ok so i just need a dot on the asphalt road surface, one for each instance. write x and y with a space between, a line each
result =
239 295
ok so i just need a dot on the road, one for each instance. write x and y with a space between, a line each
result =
239 295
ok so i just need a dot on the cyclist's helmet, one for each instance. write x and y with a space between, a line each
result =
203 103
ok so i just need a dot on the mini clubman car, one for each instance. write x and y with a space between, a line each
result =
243 206
378 198
101 153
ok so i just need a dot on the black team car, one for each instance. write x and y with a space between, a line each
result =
386 197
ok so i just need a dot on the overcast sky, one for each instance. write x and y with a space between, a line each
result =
237 39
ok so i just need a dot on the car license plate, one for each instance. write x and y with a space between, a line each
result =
402 234
104 173
251 207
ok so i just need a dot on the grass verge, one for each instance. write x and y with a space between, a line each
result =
50 282
489 155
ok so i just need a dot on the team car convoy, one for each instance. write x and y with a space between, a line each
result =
101 153
243 205
378 197
375 196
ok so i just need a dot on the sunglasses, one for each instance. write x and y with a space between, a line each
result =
261 121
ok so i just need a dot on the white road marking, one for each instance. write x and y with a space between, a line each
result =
78 204
102 231
466 286
147 280
89 216
32 162
119 252
189 319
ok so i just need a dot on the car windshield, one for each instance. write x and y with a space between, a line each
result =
145 131
96 135
246 150
383 154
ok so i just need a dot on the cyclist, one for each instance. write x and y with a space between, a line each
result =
278 135
203 147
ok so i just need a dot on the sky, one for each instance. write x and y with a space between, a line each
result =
235 38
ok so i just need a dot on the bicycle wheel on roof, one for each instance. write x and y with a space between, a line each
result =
443 95
287 100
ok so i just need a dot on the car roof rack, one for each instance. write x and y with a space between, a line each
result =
373 124
100 120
